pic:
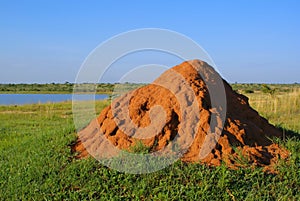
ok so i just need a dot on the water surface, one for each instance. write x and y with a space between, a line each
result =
20 99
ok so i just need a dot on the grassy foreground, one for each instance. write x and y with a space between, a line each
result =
36 162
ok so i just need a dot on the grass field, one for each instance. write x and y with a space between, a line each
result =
36 162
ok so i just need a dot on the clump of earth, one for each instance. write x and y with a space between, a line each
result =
177 109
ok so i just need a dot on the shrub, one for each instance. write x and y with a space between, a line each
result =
248 91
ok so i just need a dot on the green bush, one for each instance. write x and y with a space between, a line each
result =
248 91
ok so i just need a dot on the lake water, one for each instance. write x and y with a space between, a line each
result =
20 99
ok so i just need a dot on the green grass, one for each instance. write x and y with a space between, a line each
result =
36 162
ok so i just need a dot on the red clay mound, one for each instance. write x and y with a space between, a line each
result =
246 136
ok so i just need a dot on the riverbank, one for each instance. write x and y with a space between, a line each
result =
66 88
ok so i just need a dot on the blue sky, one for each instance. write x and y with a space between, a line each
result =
249 40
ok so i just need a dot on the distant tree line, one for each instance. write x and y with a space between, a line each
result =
109 87
264 88
63 88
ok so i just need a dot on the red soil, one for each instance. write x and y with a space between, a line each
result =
245 136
